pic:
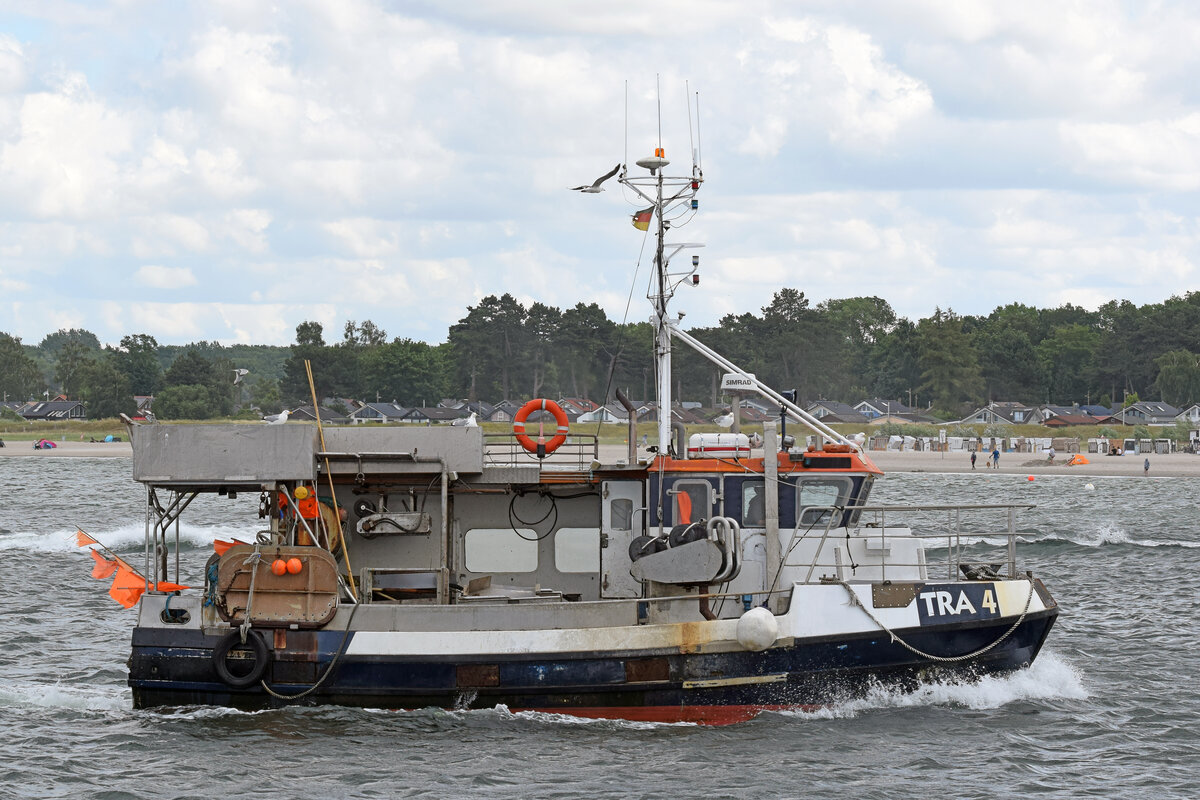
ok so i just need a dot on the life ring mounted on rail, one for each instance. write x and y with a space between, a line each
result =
541 450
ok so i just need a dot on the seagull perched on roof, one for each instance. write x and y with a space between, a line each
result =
466 422
595 187
277 419
238 374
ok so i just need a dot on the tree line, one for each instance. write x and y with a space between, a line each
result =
843 349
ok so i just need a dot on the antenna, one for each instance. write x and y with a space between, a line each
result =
699 146
688 102
658 95
627 122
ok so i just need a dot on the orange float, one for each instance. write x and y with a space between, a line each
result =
560 436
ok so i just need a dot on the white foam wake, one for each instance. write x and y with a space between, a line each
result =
125 538
76 698
1050 678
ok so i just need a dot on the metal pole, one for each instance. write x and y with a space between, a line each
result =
771 506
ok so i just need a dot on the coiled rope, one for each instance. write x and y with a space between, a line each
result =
945 659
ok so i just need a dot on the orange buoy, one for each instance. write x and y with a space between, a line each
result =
294 565
560 435
1029 478
279 566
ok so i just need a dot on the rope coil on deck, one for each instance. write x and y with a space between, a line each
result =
854 600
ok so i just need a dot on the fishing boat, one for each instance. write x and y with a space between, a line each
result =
705 577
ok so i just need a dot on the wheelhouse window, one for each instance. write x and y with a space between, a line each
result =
500 550
814 496
621 514
691 501
754 497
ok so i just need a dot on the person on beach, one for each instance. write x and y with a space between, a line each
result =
1146 467
996 458
972 459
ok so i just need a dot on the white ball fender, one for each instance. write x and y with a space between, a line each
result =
757 629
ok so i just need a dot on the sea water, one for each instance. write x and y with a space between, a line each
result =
1110 709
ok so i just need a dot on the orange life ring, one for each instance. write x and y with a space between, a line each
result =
560 417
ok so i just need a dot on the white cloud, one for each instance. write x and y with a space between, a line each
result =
12 65
336 161
1157 154
160 277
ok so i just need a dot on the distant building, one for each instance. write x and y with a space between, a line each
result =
1148 413
834 412
1008 413
53 411
378 412
875 407
328 416
430 416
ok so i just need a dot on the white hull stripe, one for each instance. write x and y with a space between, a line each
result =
815 611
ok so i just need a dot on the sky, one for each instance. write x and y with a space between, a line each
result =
226 170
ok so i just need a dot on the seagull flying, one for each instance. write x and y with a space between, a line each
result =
277 419
238 374
595 187
466 422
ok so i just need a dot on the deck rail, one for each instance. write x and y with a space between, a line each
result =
577 452
943 524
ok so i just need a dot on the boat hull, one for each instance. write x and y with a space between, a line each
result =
170 667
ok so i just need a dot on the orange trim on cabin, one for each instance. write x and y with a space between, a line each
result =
858 463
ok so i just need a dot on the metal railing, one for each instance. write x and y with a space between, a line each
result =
949 528
577 452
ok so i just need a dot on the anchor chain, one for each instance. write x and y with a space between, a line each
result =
945 659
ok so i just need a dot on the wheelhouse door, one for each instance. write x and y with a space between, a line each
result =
622 517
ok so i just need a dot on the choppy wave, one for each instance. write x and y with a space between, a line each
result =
121 539
59 696
1050 678
1107 534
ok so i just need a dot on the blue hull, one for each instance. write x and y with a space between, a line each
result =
176 667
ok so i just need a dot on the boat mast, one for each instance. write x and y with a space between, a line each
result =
664 194
662 334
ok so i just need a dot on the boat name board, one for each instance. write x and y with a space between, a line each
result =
941 603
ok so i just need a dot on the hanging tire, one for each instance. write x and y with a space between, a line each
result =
258 667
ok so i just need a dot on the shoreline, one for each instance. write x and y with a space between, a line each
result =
1174 465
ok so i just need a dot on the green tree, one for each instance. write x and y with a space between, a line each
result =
105 389
1068 357
584 346
310 345
264 395
194 372
187 401
950 371
137 358
54 342
20 378
408 372
1178 378
69 365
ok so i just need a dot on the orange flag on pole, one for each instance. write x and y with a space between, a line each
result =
104 567
127 587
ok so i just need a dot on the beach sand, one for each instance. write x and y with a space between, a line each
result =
1174 465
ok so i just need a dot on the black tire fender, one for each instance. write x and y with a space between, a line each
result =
257 645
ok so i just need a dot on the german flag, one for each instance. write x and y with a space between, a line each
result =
641 219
